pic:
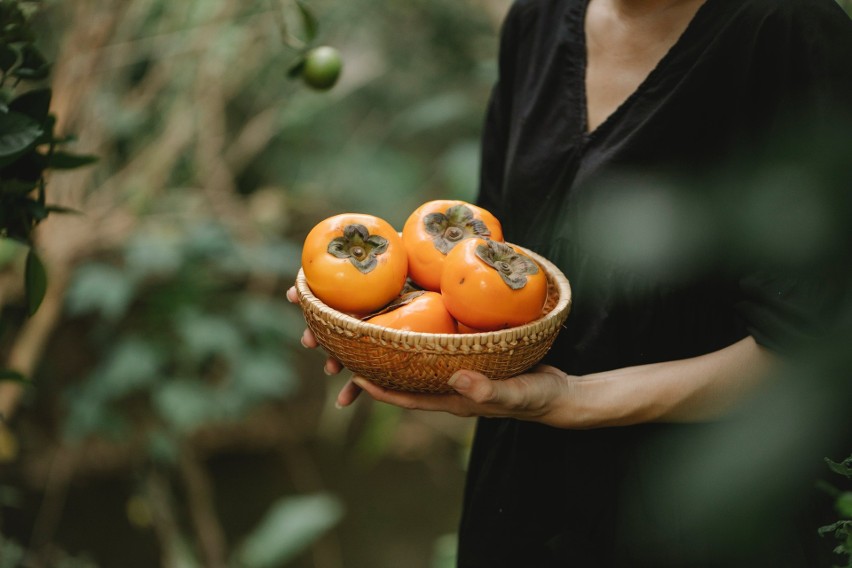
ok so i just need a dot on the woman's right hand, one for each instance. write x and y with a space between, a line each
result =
332 366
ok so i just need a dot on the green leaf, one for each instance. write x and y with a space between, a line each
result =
16 186
844 504
17 133
262 376
35 278
309 21
186 405
162 447
13 376
34 67
34 104
843 468
205 335
62 210
132 366
67 161
291 525
100 288
10 57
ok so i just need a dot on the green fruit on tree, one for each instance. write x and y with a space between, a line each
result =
322 67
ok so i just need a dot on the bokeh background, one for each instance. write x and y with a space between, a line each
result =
171 418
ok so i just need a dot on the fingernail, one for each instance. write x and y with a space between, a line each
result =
302 341
338 406
327 371
459 380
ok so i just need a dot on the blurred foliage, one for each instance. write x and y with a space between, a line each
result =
29 146
841 529
174 323
213 165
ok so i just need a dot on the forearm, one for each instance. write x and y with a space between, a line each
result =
695 389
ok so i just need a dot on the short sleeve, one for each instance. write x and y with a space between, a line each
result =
785 313
809 76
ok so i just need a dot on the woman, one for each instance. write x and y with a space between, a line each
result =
563 464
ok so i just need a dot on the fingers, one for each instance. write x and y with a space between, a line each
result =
452 403
332 366
527 396
347 394
292 295
483 391
308 339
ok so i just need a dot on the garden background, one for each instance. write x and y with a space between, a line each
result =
167 414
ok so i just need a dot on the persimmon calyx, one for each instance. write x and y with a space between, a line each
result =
512 267
359 246
456 224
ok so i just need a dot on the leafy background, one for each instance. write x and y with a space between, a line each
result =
172 417
169 416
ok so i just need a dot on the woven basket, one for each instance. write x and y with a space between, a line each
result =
423 362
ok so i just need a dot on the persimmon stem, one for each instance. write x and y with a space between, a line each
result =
359 246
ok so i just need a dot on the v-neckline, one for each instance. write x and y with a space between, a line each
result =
658 68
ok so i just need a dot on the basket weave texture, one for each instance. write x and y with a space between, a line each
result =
423 362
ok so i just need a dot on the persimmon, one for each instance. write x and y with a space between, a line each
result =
355 263
487 285
421 311
434 228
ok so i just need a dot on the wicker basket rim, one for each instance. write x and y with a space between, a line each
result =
552 319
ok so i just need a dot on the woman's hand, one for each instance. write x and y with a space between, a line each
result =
535 396
332 366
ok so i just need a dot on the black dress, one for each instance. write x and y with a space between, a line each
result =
742 71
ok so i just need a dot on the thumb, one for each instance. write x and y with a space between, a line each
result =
474 386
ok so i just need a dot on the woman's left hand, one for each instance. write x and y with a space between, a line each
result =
530 396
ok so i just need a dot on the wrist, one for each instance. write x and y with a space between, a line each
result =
608 399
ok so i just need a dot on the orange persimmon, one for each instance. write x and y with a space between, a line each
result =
355 263
434 228
421 311
488 285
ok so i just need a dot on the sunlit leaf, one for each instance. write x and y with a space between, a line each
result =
131 366
277 320
290 526
153 253
100 288
208 240
87 413
278 257
186 404
262 376
843 504
205 334
435 112
444 552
